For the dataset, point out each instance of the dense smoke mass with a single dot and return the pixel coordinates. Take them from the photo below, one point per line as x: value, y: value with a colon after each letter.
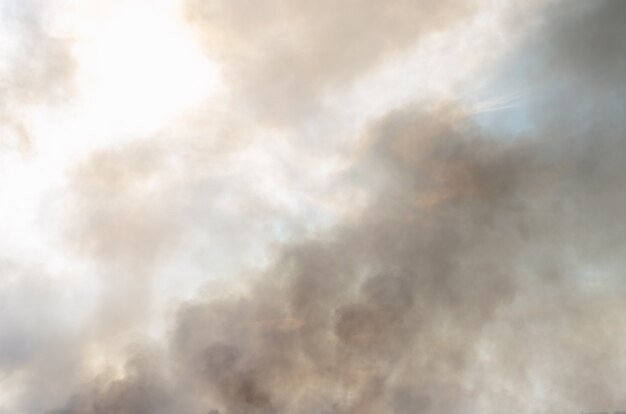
x: 272, y: 251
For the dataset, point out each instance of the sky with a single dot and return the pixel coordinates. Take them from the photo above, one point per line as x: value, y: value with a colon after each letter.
x: 312, y: 207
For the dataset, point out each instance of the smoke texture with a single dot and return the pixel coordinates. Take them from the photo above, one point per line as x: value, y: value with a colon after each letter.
x: 484, y: 273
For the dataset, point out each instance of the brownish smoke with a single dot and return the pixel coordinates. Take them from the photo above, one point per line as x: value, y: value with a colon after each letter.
x: 485, y: 276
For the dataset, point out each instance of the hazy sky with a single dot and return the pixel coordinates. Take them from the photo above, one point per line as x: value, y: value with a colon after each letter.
x: 312, y: 207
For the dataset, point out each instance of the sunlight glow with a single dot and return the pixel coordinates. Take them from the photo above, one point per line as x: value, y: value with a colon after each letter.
x: 139, y: 67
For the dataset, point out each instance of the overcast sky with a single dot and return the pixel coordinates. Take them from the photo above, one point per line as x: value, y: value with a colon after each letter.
x: 312, y: 207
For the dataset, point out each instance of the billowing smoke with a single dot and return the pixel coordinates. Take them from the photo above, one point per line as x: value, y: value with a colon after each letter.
x: 483, y: 273
x: 484, y: 276
x: 283, y: 57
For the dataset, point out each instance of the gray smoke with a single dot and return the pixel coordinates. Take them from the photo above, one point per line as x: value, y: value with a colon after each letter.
x: 282, y: 57
x: 484, y: 276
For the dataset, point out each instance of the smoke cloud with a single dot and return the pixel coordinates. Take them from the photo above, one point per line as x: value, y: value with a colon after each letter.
x: 283, y: 57
x: 474, y: 268
x: 38, y: 72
